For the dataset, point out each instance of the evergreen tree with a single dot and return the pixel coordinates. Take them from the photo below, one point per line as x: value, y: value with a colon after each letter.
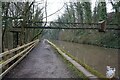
x: 87, y: 12
x: 79, y: 12
x: 102, y: 11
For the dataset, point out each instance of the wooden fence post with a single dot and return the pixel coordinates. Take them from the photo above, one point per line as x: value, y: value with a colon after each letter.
x: 0, y: 26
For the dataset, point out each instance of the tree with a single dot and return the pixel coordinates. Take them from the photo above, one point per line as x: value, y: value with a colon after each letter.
x: 116, y: 7
x: 19, y: 14
x: 102, y: 11
x: 87, y: 12
x: 79, y: 12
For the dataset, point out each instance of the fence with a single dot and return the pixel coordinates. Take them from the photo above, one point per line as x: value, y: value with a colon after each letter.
x: 10, y: 58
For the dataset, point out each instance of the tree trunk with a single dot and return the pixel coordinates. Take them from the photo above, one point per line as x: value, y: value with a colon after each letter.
x: 0, y: 26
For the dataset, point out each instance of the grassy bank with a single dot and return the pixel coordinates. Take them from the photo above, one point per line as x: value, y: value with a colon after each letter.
x: 109, y: 39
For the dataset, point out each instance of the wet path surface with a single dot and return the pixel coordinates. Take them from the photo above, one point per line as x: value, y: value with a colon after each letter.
x: 41, y: 62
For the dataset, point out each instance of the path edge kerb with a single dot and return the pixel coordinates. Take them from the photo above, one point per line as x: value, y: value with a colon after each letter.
x: 76, y: 64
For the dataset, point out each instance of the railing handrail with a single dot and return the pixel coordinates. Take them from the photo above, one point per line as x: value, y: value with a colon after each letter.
x: 16, y: 49
x: 22, y: 54
x: 14, y: 57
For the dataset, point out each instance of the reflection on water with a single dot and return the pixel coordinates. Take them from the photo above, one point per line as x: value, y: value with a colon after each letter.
x: 94, y: 56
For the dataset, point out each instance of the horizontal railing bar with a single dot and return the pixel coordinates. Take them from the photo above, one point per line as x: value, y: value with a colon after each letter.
x: 16, y: 49
x: 14, y: 57
x: 70, y: 28
x: 14, y: 64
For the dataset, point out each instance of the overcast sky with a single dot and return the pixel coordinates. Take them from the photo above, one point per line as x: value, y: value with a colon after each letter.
x: 54, y: 5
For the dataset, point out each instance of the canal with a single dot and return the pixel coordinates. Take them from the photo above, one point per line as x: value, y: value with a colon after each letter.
x: 96, y: 57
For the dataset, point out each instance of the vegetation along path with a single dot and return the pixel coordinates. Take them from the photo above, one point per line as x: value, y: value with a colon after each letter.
x: 41, y: 62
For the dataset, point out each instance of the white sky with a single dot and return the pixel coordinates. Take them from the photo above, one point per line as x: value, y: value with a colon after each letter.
x: 54, y: 5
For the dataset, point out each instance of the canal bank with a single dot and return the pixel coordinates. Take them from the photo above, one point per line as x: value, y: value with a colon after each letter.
x: 109, y: 39
x: 74, y: 63
x: 95, y: 61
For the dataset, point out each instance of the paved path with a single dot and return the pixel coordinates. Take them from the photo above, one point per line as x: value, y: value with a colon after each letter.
x: 41, y: 62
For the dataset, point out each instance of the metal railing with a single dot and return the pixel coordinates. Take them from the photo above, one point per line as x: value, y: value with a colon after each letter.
x: 16, y: 55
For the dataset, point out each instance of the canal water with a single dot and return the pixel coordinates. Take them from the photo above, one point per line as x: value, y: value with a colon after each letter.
x: 96, y: 57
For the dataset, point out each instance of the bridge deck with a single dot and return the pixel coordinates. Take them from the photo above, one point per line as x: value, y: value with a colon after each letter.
x: 41, y: 62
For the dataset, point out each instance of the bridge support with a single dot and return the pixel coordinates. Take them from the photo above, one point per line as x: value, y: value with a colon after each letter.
x: 0, y: 26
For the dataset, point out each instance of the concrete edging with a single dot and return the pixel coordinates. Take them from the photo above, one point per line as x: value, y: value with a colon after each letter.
x: 77, y: 65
